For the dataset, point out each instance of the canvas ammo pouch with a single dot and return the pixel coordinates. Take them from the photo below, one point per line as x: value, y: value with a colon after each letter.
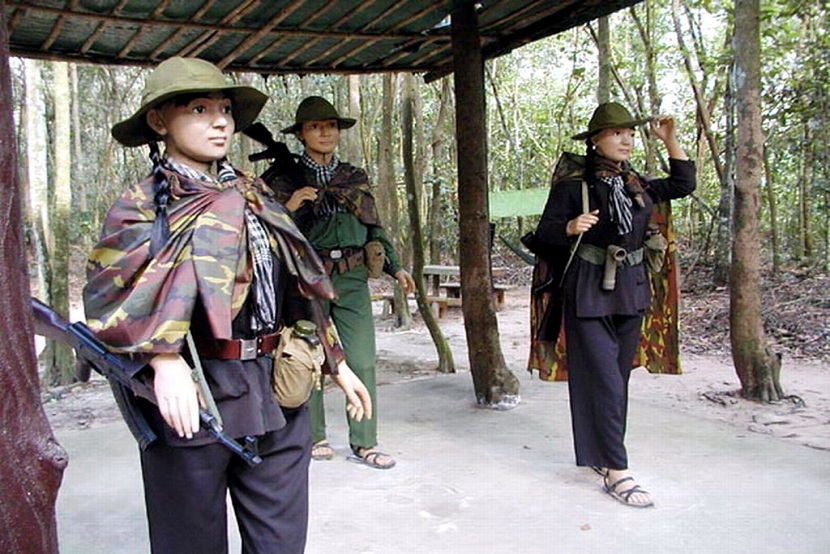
x: 655, y: 248
x: 375, y: 258
x: 297, y: 364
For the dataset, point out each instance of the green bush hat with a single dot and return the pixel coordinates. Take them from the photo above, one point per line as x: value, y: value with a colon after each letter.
x: 608, y: 115
x: 316, y: 108
x: 177, y: 76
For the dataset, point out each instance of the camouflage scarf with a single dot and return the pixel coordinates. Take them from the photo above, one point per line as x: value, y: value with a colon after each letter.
x: 348, y: 187
x: 139, y: 303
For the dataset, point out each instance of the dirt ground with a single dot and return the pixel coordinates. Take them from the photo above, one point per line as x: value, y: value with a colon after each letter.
x: 708, y: 387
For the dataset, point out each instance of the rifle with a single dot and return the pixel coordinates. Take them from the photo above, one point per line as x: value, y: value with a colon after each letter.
x: 121, y: 372
x: 283, y: 162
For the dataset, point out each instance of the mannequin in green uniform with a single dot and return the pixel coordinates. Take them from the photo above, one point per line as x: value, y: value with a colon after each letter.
x: 333, y: 205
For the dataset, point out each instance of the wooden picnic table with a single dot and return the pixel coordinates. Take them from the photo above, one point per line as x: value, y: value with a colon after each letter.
x: 437, y: 277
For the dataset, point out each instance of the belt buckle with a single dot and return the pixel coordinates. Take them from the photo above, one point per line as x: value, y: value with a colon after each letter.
x: 335, y: 254
x: 248, y: 349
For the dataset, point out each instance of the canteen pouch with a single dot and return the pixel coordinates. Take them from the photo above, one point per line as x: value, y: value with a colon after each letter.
x: 655, y: 245
x: 297, y: 368
x: 375, y: 258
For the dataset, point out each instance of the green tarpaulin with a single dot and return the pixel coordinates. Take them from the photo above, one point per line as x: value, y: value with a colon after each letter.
x: 515, y: 203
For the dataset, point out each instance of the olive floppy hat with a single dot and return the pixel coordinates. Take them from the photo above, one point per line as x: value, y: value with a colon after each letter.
x: 177, y: 76
x: 607, y: 116
x: 316, y: 108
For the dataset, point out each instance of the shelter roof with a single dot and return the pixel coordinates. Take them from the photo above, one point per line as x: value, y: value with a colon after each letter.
x: 283, y: 36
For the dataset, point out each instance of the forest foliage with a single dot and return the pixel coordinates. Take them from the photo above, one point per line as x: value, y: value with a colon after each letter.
x: 537, y: 97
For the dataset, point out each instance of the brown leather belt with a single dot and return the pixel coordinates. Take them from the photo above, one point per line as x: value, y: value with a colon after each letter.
x: 341, y: 259
x: 237, y: 349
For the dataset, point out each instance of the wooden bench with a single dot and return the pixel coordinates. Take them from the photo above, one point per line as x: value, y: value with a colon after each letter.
x: 453, y: 290
x: 438, y: 304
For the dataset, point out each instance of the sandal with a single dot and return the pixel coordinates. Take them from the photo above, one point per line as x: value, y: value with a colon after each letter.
x: 322, y: 451
x: 370, y: 457
x: 625, y: 495
x: 601, y: 471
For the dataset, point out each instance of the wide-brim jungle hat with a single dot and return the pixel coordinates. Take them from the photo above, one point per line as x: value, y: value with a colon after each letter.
x: 607, y: 116
x: 177, y: 76
x: 316, y: 108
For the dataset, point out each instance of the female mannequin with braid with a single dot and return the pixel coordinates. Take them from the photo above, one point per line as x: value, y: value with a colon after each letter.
x: 197, y: 262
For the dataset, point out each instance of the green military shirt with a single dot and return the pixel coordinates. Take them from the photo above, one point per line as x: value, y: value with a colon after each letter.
x: 344, y: 230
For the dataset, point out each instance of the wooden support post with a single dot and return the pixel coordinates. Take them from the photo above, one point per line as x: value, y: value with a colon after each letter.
x: 494, y: 384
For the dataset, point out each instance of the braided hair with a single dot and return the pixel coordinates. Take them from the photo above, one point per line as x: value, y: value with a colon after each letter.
x: 161, y: 197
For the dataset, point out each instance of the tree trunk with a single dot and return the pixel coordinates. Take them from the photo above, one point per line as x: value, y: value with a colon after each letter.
x: 726, y: 204
x: 354, y: 149
x: 445, y: 359
x: 34, y: 124
x: 702, y: 109
x: 33, y: 462
x: 439, y: 186
x: 757, y: 366
x: 388, y: 194
x: 773, y: 213
x: 494, y: 384
x: 654, y: 101
x: 80, y: 185
x: 59, y: 358
x: 385, y: 190
x: 805, y: 186
x: 605, y: 75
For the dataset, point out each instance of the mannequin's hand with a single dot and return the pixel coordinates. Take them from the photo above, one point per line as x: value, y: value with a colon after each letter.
x: 582, y: 223
x: 358, y: 401
x: 176, y: 393
x: 305, y: 194
x: 663, y: 127
x: 405, y: 280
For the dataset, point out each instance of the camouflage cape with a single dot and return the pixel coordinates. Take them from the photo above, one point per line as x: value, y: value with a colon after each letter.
x: 349, y: 186
x: 138, y: 303
x: 659, y: 348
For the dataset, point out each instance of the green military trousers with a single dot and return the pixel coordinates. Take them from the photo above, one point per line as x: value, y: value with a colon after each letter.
x: 351, y: 313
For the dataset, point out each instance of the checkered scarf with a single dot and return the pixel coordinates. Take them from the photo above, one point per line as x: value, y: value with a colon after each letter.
x: 323, y: 173
x: 624, y: 188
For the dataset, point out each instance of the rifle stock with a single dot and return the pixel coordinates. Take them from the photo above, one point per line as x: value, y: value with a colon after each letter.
x: 121, y: 372
x: 283, y: 162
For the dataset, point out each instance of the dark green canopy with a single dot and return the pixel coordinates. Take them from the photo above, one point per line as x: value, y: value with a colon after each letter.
x: 284, y: 36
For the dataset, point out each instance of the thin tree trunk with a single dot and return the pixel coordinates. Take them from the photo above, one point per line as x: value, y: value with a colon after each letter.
x: 445, y: 359
x: 773, y: 213
x: 80, y: 185
x: 702, y: 109
x: 604, y: 76
x: 439, y: 186
x: 757, y: 366
x: 494, y: 384
x: 805, y: 182
x: 33, y: 462
x: 37, y: 172
x: 726, y: 204
x: 387, y: 192
x: 354, y: 149
x: 59, y: 358
x: 644, y: 30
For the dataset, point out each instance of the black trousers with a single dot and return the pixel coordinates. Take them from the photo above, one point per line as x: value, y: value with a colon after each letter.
x: 600, y: 352
x: 185, y: 490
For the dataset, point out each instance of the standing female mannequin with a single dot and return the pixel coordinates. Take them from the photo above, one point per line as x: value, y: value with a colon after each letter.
x: 604, y: 301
